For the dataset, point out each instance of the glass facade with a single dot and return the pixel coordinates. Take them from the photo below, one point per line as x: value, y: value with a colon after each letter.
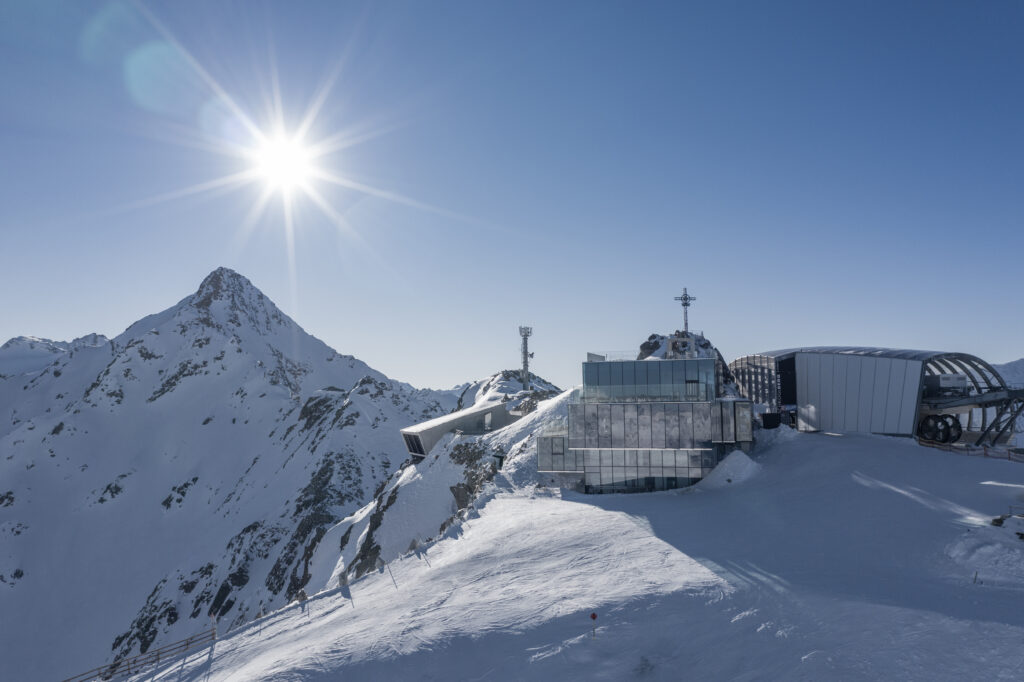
x: 633, y: 470
x: 644, y: 425
x: 758, y: 380
x: 687, y: 380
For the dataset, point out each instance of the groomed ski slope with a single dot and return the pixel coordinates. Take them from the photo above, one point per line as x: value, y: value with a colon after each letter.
x: 839, y: 558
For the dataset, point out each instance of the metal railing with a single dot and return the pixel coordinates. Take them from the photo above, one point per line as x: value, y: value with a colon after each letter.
x: 136, y: 664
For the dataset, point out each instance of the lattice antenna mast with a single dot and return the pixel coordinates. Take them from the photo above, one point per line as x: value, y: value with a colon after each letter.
x: 686, y: 300
x: 526, y: 332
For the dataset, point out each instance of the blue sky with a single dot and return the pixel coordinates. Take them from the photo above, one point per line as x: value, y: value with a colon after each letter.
x: 815, y: 173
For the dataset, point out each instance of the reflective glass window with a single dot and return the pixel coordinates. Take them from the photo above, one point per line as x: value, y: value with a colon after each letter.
x: 679, y: 371
x: 665, y: 370
x: 628, y: 373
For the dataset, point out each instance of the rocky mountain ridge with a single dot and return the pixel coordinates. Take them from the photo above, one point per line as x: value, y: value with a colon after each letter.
x: 188, y: 467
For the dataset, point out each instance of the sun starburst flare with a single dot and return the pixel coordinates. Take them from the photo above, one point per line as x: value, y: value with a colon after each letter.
x: 290, y: 161
x: 283, y: 162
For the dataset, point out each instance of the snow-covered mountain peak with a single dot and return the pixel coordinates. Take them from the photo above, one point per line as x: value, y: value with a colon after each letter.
x: 225, y: 295
x: 679, y: 343
x: 36, y: 343
x: 28, y: 354
x: 226, y: 302
x: 506, y: 387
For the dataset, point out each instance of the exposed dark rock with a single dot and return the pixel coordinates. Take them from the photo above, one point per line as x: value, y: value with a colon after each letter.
x: 366, y: 558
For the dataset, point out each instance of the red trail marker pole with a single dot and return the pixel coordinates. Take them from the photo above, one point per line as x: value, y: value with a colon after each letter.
x: 593, y: 628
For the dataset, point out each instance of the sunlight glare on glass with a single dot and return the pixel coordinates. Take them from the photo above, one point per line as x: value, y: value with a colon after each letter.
x: 283, y: 162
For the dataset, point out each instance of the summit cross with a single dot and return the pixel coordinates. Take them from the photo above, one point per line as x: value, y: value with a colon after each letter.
x: 686, y: 300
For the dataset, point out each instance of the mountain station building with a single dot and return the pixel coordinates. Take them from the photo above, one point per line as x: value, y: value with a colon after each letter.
x: 661, y: 421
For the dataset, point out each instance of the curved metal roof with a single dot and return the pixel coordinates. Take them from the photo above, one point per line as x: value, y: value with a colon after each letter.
x: 901, y: 353
x: 982, y: 375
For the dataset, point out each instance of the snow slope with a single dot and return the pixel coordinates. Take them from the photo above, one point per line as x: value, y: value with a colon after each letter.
x: 1013, y: 375
x: 189, y: 466
x: 1012, y: 372
x: 838, y: 558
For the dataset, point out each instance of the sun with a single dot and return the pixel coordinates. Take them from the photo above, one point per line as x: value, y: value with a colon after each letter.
x: 283, y: 163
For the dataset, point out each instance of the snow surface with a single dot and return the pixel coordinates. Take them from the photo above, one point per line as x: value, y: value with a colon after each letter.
x: 736, y: 468
x: 842, y: 558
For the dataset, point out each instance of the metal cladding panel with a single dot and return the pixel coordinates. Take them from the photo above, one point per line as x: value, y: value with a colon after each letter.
x: 883, y: 367
x: 850, y: 417
x: 558, y: 462
x: 657, y: 426
x: 911, y: 400
x: 685, y: 425
x: 744, y: 421
x: 802, y: 409
x: 826, y: 391
x: 577, y: 427
x: 894, y: 397
x: 811, y: 401
x: 643, y: 425
x: 671, y: 425
x: 631, y: 427
x: 838, y: 417
x: 716, y: 422
x: 867, y: 392
x: 591, y: 426
x: 702, y: 425
x: 814, y: 389
x: 618, y: 420
x: 728, y: 421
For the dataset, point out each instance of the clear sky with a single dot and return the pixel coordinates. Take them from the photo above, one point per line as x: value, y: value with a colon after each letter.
x: 814, y: 172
